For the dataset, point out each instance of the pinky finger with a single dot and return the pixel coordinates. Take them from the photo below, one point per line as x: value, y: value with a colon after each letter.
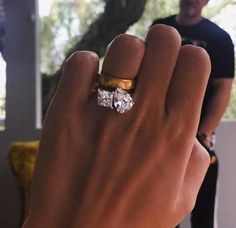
x: 196, y: 170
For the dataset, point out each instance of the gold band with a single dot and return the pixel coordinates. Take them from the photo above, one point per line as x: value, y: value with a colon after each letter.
x: 111, y: 82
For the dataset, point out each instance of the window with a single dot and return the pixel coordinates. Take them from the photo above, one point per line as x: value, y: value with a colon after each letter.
x: 2, y: 93
x: 2, y: 69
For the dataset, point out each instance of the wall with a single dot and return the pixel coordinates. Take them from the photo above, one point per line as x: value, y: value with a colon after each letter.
x: 20, y: 54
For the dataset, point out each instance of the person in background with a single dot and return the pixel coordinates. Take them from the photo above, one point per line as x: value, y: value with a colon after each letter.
x: 197, y: 30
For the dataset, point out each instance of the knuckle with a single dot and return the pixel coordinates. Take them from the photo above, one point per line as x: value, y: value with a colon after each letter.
x: 80, y: 57
x: 176, y: 127
x: 188, y: 205
x: 196, y: 56
x: 127, y: 39
x: 166, y: 32
x: 200, y: 154
x: 185, y: 205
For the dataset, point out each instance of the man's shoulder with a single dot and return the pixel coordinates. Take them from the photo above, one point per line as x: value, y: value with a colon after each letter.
x: 215, y: 30
x: 166, y: 20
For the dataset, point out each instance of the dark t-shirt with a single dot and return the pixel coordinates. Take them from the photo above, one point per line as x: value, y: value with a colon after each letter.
x: 213, y: 39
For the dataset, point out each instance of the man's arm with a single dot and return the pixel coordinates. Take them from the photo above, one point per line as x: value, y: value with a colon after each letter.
x: 215, y: 108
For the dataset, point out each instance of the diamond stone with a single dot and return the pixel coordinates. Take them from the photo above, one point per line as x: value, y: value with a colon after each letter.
x: 105, y: 98
x: 123, y: 102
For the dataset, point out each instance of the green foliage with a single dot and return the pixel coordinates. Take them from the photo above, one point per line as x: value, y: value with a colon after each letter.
x: 215, y: 7
x: 87, y: 11
x: 62, y: 28
x: 154, y: 9
x: 47, y: 45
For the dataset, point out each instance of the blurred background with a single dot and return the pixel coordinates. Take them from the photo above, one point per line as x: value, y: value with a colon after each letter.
x: 37, y: 37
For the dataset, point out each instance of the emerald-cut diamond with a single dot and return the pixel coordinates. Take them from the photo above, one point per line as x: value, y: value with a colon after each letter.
x: 105, y: 98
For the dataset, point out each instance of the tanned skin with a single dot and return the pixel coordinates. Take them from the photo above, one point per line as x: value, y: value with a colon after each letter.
x: 97, y: 168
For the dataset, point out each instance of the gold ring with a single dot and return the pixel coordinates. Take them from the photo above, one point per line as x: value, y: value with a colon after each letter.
x: 111, y: 82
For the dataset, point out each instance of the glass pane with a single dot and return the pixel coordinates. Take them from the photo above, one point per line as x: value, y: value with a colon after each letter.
x: 2, y: 69
x: 2, y: 93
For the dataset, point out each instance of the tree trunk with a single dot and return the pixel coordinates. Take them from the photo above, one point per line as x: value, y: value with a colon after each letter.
x: 117, y: 17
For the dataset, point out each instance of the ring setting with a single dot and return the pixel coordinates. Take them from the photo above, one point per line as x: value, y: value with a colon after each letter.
x: 105, y: 98
x: 119, y: 98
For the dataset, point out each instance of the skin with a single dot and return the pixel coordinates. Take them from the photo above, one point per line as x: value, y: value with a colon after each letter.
x: 218, y: 102
x: 97, y: 168
x: 190, y: 14
x: 190, y: 11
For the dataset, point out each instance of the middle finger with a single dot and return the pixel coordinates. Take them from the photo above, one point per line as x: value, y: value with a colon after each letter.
x: 161, y: 52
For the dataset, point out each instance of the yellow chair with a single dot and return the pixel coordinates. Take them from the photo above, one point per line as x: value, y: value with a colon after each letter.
x: 22, y: 159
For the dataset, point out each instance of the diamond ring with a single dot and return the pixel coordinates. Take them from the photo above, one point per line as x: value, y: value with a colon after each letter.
x: 118, y: 99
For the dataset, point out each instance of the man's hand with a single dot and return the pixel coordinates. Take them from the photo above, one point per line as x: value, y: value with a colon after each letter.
x: 217, y: 103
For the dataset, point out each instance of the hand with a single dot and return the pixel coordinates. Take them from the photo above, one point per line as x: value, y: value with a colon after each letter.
x: 97, y: 168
